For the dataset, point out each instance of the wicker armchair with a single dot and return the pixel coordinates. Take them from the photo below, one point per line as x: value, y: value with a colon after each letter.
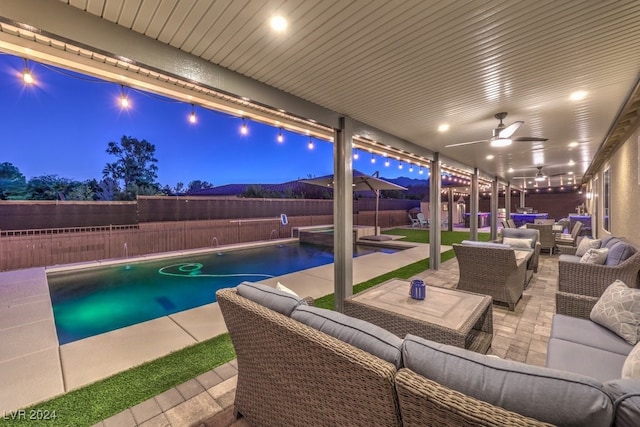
x: 491, y: 271
x: 563, y: 241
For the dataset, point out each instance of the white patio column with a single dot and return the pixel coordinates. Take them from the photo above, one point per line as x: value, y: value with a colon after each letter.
x: 435, y: 186
x: 343, y: 213
x: 473, y: 206
x: 507, y: 200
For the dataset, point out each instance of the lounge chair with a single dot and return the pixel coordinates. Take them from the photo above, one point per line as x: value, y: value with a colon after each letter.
x: 414, y: 221
x: 423, y: 222
x: 547, y: 237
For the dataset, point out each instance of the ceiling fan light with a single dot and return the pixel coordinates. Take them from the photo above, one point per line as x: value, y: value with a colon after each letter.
x: 540, y: 178
x: 501, y: 142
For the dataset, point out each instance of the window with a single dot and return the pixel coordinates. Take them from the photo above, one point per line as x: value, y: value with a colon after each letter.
x: 606, y: 199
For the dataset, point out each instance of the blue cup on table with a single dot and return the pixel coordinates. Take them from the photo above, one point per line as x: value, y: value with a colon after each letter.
x: 418, y: 290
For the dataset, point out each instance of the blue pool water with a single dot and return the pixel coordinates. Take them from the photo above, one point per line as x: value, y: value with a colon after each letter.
x: 88, y: 302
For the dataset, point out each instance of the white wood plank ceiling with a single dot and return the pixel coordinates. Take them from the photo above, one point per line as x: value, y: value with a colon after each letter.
x: 408, y: 66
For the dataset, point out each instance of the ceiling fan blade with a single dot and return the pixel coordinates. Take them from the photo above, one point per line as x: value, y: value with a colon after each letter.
x: 530, y: 138
x: 466, y: 143
x: 558, y: 174
x: 509, y: 130
x: 523, y: 177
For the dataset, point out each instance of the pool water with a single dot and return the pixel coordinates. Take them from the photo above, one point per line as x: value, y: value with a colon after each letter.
x: 88, y: 302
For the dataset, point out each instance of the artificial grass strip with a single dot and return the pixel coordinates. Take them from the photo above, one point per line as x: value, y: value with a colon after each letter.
x: 446, y: 237
x: 98, y: 401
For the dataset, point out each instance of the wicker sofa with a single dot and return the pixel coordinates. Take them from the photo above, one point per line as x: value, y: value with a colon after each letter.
x: 590, y: 280
x: 300, y: 365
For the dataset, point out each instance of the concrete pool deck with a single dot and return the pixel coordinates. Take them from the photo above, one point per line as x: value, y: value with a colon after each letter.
x: 33, y: 367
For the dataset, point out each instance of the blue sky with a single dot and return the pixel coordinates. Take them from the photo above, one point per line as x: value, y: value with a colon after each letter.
x: 63, y: 123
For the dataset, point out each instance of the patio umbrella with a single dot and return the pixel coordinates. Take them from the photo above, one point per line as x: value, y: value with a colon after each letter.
x: 361, y: 182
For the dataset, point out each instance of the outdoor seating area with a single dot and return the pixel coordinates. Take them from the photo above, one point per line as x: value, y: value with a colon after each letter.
x: 282, y: 343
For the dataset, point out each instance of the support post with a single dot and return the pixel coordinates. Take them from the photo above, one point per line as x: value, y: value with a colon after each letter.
x: 493, y: 209
x: 473, y: 206
x: 343, y: 213
x: 435, y: 186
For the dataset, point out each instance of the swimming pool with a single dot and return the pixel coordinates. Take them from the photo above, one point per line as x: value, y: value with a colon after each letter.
x: 92, y: 301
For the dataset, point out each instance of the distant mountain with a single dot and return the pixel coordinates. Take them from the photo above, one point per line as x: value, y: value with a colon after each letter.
x: 407, y: 182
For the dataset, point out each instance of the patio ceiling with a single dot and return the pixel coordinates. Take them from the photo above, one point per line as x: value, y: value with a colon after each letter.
x: 407, y: 67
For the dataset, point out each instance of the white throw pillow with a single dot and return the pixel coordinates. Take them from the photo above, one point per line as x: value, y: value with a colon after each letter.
x: 618, y: 310
x: 586, y: 244
x: 283, y: 288
x: 517, y: 243
x: 595, y: 256
x: 631, y: 367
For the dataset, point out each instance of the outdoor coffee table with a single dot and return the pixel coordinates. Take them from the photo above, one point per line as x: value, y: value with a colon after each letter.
x: 448, y: 316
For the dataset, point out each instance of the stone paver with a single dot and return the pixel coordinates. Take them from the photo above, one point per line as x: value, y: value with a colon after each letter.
x: 146, y: 410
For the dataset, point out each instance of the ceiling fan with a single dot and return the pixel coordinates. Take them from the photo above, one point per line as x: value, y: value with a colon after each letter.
x: 502, y: 134
x: 539, y: 176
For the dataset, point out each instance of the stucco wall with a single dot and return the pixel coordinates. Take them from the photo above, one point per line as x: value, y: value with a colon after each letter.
x: 625, y: 191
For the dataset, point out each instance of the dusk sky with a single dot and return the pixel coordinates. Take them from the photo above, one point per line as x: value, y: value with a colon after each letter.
x: 62, y: 125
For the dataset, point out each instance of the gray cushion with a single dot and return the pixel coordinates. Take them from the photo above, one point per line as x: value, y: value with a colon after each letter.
x: 618, y: 309
x: 282, y: 302
x: 619, y: 253
x: 522, y: 233
x: 359, y: 333
x: 517, y: 243
x: 609, y: 241
x: 584, y: 331
x: 569, y: 258
x: 568, y: 356
x: 625, y: 394
x: 631, y: 367
x: 485, y: 244
x: 548, y: 395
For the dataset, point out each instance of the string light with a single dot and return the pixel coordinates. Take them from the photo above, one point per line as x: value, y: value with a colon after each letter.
x: 420, y: 171
x: 280, y: 136
x: 192, y: 117
x: 244, y: 130
x: 400, y: 165
x: 27, y: 77
x: 310, y: 143
x: 373, y: 159
x: 386, y: 163
x: 356, y: 155
x: 124, y: 100
x: 410, y: 168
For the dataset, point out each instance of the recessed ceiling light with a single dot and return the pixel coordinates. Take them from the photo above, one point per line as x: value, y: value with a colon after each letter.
x: 510, y: 170
x: 570, y: 173
x: 278, y: 23
x: 578, y: 95
x: 443, y: 127
x: 573, y: 144
x: 490, y: 157
x: 571, y: 163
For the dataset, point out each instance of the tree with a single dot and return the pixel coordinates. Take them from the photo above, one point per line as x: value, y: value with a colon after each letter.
x: 49, y: 187
x: 13, y: 184
x: 135, y: 165
x: 198, y: 185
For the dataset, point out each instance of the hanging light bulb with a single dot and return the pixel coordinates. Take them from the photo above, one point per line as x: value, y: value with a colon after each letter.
x: 420, y: 171
x: 27, y: 77
x: 373, y: 159
x: 386, y: 163
x: 124, y: 100
x: 280, y: 136
x: 400, y: 165
x: 356, y: 155
x: 310, y: 144
x: 244, y: 130
x: 192, y: 117
x: 410, y: 168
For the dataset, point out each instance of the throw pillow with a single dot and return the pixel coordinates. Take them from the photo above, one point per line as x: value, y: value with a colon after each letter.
x: 631, y: 367
x: 618, y: 310
x: 595, y: 256
x: 517, y: 243
x: 586, y: 244
x: 283, y: 288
